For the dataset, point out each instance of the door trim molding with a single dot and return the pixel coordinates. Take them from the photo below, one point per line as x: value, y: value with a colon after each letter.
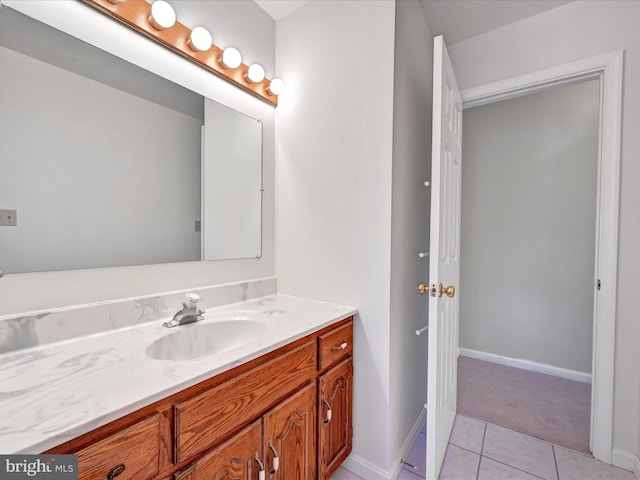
x: 626, y: 460
x: 608, y: 67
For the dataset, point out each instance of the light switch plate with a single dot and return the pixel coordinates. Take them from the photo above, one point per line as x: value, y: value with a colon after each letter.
x: 8, y: 218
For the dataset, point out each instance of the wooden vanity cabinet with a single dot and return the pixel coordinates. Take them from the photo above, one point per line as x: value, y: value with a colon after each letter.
x: 270, y: 412
x: 335, y: 407
x: 335, y: 390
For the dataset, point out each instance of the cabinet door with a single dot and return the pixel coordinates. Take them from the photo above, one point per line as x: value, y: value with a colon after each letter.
x: 233, y: 459
x: 290, y: 441
x: 334, y: 417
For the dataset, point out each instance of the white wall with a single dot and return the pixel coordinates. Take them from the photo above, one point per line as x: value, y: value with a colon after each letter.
x: 333, y: 183
x: 528, y: 226
x: 412, y: 103
x: 39, y: 291
x: 232, y: 23
x: 577, y: 30
x: 92, y: 172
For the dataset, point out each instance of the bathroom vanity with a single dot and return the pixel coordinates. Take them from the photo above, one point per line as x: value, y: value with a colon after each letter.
x: 265, y: 414
x: 280, y: 406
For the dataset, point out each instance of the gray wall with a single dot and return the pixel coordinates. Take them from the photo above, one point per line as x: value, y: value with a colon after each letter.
x: 410, y: 203
x: 28, y: 292
x: 99, y: 177
x: 23, y: 34
x: 528, y: 226
x: 578, y: 30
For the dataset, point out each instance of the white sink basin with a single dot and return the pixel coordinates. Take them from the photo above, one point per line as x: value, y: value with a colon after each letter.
x: 199, y: 339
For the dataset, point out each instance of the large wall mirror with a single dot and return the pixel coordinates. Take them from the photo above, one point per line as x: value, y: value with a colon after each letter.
x: 108, y: 164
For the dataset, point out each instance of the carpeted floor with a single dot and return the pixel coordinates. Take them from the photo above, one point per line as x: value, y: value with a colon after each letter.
x: 543, y: 406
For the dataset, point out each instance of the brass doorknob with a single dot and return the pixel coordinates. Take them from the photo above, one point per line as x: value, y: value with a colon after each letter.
x: 422, y: 288
x: 449, y: 291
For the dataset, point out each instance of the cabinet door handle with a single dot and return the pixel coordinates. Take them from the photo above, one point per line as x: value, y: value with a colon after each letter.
x: 276, y: 460
x: 342, y: 346
x: 328, y: 419
x: 115, y: 471
x: 260, y: 466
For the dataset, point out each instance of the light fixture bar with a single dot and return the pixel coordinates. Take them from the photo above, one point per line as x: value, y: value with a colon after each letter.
x: 135, y: 14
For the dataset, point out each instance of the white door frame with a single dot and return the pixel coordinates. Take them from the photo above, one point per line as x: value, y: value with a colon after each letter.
x: 607, y: 67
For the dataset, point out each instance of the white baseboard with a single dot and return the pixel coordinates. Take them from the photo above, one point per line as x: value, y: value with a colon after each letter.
x: 527, y: 365
x: 404, y: 452
x: 626, y: 460
x: 365, y: 469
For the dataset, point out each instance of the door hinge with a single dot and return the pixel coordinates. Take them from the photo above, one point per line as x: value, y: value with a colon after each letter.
x: 598, y: 284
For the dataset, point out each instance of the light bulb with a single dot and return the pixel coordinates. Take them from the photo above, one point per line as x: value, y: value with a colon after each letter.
x: 276, y: 87
x: 162, y: 15
x: 255, y: 73
x: 231, y: 57
x: 199, y: 40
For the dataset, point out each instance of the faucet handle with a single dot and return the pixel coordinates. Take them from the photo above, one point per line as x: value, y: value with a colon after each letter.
x: 191, y: 300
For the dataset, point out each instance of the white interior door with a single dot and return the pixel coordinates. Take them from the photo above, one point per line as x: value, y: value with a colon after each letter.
x: 444, y: 267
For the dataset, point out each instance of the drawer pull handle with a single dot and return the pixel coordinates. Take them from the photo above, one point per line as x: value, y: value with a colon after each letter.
x: 115, y: 471
x: 328, y: 419
x: 260, y: 466
x: 276, y: 460
x: 342, y: 346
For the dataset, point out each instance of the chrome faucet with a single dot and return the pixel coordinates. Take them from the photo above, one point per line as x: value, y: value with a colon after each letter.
x: 190, y: 312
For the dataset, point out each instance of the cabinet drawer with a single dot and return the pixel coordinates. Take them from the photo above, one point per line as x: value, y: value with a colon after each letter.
x: 136, y: 448
x: 206, y: 418
x: 335, y: 345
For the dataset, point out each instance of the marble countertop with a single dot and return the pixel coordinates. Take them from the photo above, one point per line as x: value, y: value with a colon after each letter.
x: 53, y: 393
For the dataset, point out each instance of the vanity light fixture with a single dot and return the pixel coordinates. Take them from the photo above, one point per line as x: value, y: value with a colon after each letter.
x: 231, y: 58
x: 157, y: 21
x: 276, y: 87
x: 200, y: 40
x: 255, y: 73
x: 162, y: 15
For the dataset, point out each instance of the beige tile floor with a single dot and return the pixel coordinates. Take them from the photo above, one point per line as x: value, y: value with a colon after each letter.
x: 482, y: 451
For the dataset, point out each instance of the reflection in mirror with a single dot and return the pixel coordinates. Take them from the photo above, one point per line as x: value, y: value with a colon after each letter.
x: 231, y: 183
x: 102, y: 160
